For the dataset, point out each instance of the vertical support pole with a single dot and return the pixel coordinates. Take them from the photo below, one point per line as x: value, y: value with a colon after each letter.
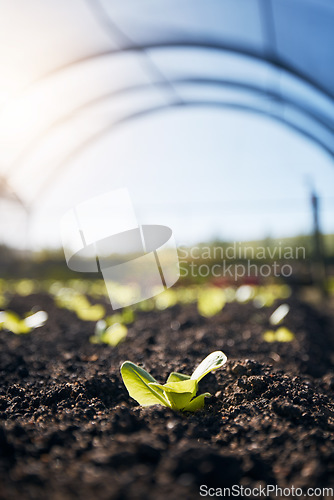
x: 319, y: 263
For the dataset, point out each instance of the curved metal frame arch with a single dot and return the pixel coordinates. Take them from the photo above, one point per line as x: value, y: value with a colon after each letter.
x: 213, y: 46
x: 216, y: 104
x: 197, y: 81
x: 273, y: 61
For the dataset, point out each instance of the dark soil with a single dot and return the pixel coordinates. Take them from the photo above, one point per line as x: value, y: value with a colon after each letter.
x: 68, y: 429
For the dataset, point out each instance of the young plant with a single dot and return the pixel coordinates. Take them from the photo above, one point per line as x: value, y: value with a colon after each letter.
x: 179, y: 391
x: 282, y: 334
x: 210, y: 301
x: 10, y: 321
x: 74, y: 301
x: 111, y: 335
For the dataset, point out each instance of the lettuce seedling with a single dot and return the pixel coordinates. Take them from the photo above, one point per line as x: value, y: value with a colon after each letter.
x: 282, y: 334
x: 210, y: 302
x: 112, y: 335
x: 179, y: 391
x: 10, y: 321
x: 74, y: 301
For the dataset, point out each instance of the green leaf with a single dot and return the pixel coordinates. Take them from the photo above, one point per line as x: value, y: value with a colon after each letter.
x: 269, y: 336
x: 115, y: 318
x: 177, y: 377
x: 179, y: 394
x: 188, y: 385
x: 12, y: 322
x: 197, y: 403
x: 284, y: 335
x: 212, y: 362
x: 36, y: 320
x: 114, y: 334
x: 91, y: 313
x: 176, y: 400
x: 128, y: 316
x: 210, y: 302
x: 180, y: 390
x: 138, y: 383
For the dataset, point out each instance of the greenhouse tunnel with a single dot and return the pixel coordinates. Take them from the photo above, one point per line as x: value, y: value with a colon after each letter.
x: 166, y: 249
x: 105, y: 64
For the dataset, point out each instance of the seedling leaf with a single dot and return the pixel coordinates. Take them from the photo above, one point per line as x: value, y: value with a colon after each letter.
x: 189, y: 385
x: 12, y: 322
x: 179, y: 393
x: 210, y: 302
x: 138, y: 383
x: 269, y: 336
x: 115, y: 334
x: 177, y: 377
x: 91, y: 313
x: 282, y: 334
x: 180, y: 390
x: 36, y: 320
x: 212, y: 362
x: 197, y: 403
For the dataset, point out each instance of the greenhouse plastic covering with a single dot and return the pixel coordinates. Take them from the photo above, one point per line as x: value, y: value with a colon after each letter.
x: 72, y: 71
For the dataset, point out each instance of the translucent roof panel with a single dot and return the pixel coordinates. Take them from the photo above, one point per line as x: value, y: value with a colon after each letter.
x: 304, y: 33
x: 73, y: 73
x: 230, y: 21
x: 36, y: 37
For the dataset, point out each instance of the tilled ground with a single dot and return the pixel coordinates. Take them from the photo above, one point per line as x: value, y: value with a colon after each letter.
x: 68, y: 429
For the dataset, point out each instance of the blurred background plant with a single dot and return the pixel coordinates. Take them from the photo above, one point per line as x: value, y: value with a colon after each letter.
x: 219, y: 121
